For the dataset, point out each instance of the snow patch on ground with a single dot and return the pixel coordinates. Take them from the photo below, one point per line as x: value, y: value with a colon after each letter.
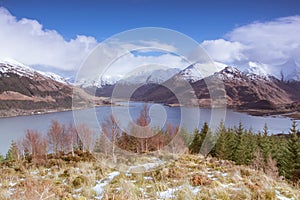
x: 280, y: 197
x: 146, y: 166
x: 102, y: 183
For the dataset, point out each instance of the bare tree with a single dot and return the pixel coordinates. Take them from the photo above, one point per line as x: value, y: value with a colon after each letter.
x: 112, y: 131
x: 176, y: 142
x: 102, y: 145
x: 54, y: 136
x: 72, y: 137
x: 34, y: 144
x: 144, y: 132
x: 86, y: 136
x: 64, y: 141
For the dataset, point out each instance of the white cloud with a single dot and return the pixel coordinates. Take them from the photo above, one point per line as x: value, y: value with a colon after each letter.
x: 270, y: 42
x: 130, y: 63
x: 27, y: 41
x: 273, y: 43
x: 224, y: 51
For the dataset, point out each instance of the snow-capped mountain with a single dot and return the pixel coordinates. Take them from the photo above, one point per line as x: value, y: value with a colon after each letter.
x: 15, y: 67
x: 199, y: 71
x: 98, y: 82
x: 232, y: 73
x: 152, y: 76
x: 24, y: 90
x: 241, y: 90
x: 144, y: 76
x: 258, y: 69
x: 289, y: 70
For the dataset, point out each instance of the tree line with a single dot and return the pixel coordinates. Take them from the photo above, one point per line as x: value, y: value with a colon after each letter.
x: 275, y: 155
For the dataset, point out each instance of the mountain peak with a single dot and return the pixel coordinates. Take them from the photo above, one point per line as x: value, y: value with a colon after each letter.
x: 198, y: 71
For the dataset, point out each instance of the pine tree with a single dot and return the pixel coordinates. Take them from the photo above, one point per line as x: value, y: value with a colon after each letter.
x: 206, y: 140
x: 265, y: 146
x: 1, y: 158
x: 240, y: 152
x: 195, y: 145
x: 13, y: 152
x: 231, y: 144
x: 220, y: 147
x: 239, y: 149
x: 292, y: 161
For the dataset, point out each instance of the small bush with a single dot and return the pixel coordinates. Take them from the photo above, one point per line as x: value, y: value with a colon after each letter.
x: 79, y: 181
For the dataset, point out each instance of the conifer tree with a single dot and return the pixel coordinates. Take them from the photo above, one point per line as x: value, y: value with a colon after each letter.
x: 220, y: 147
x: 13, y: 152
x: 265, y: 146
x: 206, y: 140
x: 240, y: 152
x: 231, y: 143
x: 239, y: 148
x: 292, y: 161
x: 195, y: 145
x: 1, y: 158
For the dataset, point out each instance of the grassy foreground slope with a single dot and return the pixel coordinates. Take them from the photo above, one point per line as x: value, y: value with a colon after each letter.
x: 185, y: 176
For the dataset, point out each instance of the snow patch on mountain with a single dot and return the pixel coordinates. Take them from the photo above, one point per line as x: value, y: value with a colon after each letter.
x: 198, y: 71
x: 15, y: 67
x: 98, y: 82
x: 233, y: 73
x: 152, y: 76
x: 258, y: 69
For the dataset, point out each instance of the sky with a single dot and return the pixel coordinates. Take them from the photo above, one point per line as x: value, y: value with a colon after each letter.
x: 50, y: 33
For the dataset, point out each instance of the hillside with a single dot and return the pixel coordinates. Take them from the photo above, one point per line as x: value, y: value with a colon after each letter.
x: 26, y: 91
x: 184, y: 177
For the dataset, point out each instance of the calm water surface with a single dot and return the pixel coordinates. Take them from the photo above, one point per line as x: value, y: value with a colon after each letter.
x: 13, y: 128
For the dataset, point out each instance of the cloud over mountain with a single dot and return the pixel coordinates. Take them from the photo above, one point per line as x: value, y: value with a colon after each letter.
x: 271, y: 42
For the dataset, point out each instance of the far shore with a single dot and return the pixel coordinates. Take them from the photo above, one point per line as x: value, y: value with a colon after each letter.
x: 254, y: 112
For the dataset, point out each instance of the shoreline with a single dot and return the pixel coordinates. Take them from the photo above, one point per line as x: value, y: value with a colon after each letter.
x: 20, y: 112
x: 293, y: 114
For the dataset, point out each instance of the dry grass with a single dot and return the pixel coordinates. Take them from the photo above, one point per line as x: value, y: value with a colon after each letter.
x: 187, y: 177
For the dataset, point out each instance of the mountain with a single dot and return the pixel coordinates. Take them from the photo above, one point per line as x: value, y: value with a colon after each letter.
x: 139, y: 76
x: 156, y: 76
x: 127, y: 83
x: 24, y: 91
x: 23, y: 88
x: 197, y: 71
x: 249, y: 90
x: 241, y: 90
x: 286, y: 71
x: 290, y: 70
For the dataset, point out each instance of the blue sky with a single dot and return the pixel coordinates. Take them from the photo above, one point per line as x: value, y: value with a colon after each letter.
x: 201, y: 20
x: 60, y: 34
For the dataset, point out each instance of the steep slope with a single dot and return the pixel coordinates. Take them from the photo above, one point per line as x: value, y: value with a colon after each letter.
x: 248, y: 90
x: 21, y: 87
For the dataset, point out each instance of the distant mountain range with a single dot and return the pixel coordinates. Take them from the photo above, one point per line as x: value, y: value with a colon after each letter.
x: 22, y: 87
x: 252, y: 89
